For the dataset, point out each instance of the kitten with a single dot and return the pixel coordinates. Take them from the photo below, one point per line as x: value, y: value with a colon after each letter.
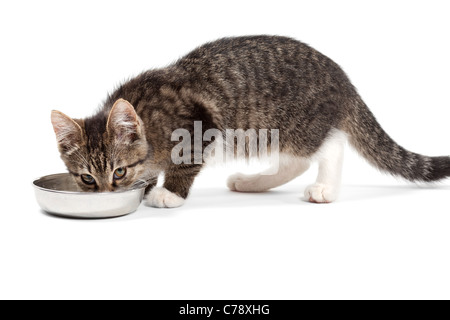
x: 257, y: 82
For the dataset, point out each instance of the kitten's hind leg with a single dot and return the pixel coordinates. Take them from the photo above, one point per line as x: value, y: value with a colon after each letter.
x: 330, y: 157
x: 289, y: 168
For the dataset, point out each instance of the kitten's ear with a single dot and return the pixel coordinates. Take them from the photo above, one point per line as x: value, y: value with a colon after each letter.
x: 123, y: 122
x: 68, y: 132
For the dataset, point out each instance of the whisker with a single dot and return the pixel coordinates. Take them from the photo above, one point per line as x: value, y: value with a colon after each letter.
x: 140, y: 183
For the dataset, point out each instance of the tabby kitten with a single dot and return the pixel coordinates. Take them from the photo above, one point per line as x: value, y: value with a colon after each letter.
x: 257, y: 82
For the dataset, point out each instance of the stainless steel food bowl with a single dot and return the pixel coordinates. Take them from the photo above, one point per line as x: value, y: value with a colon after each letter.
x: 58, y: 194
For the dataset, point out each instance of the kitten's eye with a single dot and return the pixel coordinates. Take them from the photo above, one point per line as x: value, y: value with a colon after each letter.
x: 120, y: 173
x: 87, y: 178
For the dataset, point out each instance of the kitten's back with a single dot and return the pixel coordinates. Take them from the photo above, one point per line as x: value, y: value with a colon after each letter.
x: 271, y: 82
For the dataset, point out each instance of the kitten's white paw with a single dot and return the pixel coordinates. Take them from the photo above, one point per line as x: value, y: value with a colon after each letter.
x: 160, y: 197
x: 245, y: 183
x: 321, y: 193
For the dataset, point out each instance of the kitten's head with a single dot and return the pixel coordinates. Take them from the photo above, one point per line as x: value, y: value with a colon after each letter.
x: 105, y: 152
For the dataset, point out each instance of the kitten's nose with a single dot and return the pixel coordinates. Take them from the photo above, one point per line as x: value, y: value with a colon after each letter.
x: 106, y: 188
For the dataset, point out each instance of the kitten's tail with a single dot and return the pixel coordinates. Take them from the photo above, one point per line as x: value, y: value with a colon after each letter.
x: 374, y: 144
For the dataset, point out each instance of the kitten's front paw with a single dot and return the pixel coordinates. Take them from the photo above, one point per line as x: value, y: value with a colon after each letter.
x: 321, y: 193
x: 162, y: 198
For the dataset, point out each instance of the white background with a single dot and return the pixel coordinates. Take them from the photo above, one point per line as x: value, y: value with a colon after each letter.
x: 384, y: 238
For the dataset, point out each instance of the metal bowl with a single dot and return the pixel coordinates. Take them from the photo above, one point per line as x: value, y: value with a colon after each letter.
x: 59, y: 194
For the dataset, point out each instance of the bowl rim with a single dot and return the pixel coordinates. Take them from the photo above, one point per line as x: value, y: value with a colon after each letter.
x: 106, y: 193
